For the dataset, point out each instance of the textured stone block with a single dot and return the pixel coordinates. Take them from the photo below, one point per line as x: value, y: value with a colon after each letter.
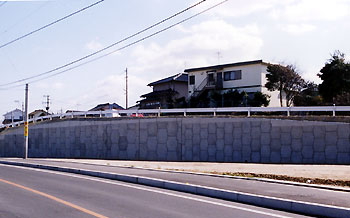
x: 255, y: 145
x: 204, y: 134
x: 212, y: 128
x: 211, y: 139
x: 172, y: 143
x: 344, y: 131
x: 286, y: 151
x: 203, y: 155
x: 228, y: 128
x: 265, y: 139
x: 286, y: 138
x: 123, y: 143
x: 246, y: 140
x: 220, y: 133
x: 265, y: 152
x: 319, y: 132
x: 286, y: 129
x: 297, y: 157
x: 220, y: 144
x: 246, y: 127
x: 319, y: 158
x: 196, y: 139
x: 228, y: 150
x: 308, y: 139
x: 275, y: 133
x: 152, y: 129
x: 152, y: 143
x: 275, y: 145
x: 297, y: 144
x: 162, y: 151
x: 319, y: 145
x: 343, y: 145
x: 237, y: 157
x: 275, y: 157
x: 204, y: 145
x: 163, y: 136
x: 196, y: 129
x: 307, y: 128
x: 331, y: 138
x: 307, y: 152
x: 265, y: 126
x: 343, y: 158
x: 211, y: 150
x: 228, y: 139
x: 331, y: 127
x: 256, y: 132
x: 172, y: 128
x: 331, y: 152
x: 219, y: 156
x: 256, y: 157
x: 237, y: 133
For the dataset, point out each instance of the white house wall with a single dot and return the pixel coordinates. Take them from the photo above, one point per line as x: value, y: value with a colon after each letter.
x: 252, y: 75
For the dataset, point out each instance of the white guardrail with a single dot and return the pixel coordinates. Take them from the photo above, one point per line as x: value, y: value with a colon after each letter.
x: 182, y: 111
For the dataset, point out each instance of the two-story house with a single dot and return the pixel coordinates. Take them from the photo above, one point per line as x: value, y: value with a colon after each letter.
x: 13, y: 116
x: 167, y: 93
x: 247, y: 76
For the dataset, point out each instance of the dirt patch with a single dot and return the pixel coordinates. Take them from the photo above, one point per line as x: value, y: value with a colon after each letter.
x: 343, y: 183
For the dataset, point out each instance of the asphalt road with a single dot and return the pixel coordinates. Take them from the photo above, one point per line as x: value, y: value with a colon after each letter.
x: 297, y: 193
x: 26, y: 192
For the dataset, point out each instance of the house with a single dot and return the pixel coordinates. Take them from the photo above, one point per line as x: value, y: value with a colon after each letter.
x: 38, y: 113
x: 167, y: 93
x: 106, y: 107
x: 247, y: 76
x: 13, y: 116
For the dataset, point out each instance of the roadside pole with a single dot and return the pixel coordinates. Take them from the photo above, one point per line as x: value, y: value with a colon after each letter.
x: 26, y: 124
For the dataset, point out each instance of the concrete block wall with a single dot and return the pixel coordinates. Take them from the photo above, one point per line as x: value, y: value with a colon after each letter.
x: 186, y: 139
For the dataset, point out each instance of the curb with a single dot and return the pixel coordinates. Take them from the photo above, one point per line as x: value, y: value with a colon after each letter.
x: 283, y: 182
x: 306, y: 208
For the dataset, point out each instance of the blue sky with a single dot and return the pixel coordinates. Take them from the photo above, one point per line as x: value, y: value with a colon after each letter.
x: 300, y: 32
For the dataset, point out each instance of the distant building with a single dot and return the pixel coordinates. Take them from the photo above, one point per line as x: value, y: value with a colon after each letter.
x: 247, y: 76
x: 13, y: 116
x: 38, y: 113
x: 107, y: 106
x: 167, y: 93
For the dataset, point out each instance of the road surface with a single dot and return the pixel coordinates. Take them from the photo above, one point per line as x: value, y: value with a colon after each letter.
x: 27, y: 192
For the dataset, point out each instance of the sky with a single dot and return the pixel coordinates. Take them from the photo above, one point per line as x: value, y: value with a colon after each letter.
x: 299, y: 32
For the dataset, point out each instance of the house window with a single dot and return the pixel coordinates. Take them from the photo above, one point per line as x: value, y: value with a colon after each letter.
x: 192, y: 80
x: 233, y: 75
x: 211, y: 77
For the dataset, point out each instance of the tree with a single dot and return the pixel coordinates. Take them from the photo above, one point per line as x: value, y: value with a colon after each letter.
x: 309, y: 96
x: 336, y: 79
x: 233, y: 98
x: 286, y: 80
x: 259, y: 100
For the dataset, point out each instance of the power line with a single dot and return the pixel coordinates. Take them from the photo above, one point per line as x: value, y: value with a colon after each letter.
x: 103, y: 49
x: 50, y: 24
x: 2, y: 3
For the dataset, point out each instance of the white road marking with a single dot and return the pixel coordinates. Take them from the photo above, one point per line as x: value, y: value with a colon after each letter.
x: 151, y: 190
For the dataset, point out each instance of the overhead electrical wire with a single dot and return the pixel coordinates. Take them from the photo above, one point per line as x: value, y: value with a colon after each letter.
x: 50, y: 24
x: 105, y: 48
x: 109, y: 53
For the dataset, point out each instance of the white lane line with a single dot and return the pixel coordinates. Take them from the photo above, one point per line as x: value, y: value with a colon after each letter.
x: 152, y: 190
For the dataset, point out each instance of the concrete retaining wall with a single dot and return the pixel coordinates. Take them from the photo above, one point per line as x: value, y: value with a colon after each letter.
x: 186, y: 139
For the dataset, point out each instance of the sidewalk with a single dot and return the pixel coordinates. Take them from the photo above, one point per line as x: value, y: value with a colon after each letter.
x: 335, y: 172
x: 284, y: 196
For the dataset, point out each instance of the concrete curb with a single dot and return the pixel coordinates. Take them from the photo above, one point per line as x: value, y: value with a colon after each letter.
x: 311, y: 209
x: 331, y: 188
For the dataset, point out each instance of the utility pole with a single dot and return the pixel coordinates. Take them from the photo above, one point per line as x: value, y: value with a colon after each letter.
x: 126, y: 88
x: 47, y: 102
x: 26, y: 123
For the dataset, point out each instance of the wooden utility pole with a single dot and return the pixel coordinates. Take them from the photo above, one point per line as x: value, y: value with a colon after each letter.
x: 26, y: 140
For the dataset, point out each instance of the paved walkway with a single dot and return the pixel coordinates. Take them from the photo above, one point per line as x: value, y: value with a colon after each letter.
x: 270, y: 189
x: 335, y: 172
